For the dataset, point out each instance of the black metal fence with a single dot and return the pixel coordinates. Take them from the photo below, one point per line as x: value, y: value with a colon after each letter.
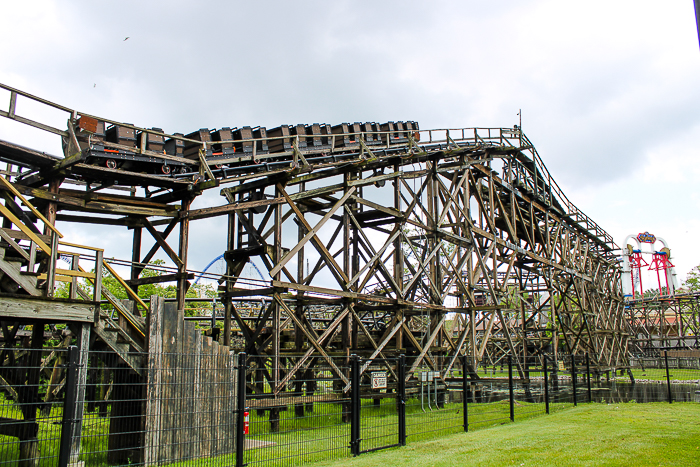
x: 58, y: 407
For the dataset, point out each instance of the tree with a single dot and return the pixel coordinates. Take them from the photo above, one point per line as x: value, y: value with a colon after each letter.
x: 111, y: 284
x: 692, y: 280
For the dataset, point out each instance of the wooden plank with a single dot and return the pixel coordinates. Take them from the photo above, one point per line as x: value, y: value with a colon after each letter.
x: 128, y: 178
x: 71, y: 273
x: 231, y: 402
x: 169, y: 394
x: 14, y: 245
x: 20, y: 225
x: 83, y: 341
x: 221, y: 391
x: 93, y: 203
x: 154, y: 400
x: 76, y: 245
x: 216, y: 377
x: 124, y: 222
x: 204, y: 213
x: 46, y: 310
x: 19, y: 235
x: 159, y: 279
x: 333, y: 292
x: 31, y: 207
x: 26, y: 157
x: 188, y: 417
x: 109, y: 198
x: 12, y: 270
x: 205, y: 396
x: 198, y: 395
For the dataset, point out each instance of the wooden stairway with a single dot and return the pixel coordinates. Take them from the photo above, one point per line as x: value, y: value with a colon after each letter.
x: 28, y: 267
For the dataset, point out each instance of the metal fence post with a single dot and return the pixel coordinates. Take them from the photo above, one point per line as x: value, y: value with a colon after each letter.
x: 355, y: 406
x: 573, y: 379
x: 401, y: 387
x: 465, y: 383
x: 668, y: 378
x: 69, y: 406
x: 240, y: 409
x: 588, y: 377
x: 546, y: 385
x: 510, y: 388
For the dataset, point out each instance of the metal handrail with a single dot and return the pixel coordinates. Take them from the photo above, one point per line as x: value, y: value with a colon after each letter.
x: 474, y: 135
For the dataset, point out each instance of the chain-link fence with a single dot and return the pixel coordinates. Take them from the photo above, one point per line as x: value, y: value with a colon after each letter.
x: 61, y: 407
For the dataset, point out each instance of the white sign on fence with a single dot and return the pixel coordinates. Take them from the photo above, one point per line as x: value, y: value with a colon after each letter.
x: 378, y: 379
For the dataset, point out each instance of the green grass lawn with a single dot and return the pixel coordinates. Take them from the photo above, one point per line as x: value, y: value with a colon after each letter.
x: 590, y: 434
x: 322, y: 435
x: 659, y: 374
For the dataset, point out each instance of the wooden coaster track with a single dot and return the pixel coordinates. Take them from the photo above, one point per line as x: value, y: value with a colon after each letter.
x: 378, y: 239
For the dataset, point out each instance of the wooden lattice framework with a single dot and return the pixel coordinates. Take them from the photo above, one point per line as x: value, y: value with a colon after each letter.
x: 434, y: 243
x: 664, y: 322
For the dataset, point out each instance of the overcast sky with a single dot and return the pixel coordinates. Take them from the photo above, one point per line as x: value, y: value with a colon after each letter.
x: 609, y: 90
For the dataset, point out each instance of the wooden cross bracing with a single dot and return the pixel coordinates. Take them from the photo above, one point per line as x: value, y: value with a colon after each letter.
x: 445, y: 228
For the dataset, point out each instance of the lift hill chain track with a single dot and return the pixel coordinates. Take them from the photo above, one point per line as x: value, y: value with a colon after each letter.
x: 432, y: 243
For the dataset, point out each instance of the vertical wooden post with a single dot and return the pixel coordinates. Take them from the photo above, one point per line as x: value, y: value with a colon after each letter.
x: 354, y: 265
x: 228, y: 304
x: 73, y: 287
x: 154, y: 386
x: 29, y: 398
x: 401, y: 396
x: 298, y: 333
x: 398, y: 255
x: 523, y: 320
x: 51, y: 267
x: 546, y: 383
x: 69, y: 406
x: 668, y: 378
x: 511, y: 393
x: 97, y: 285
x: 135, y: 259
x: 465, y: 401
x: 240, y: 408
x: 355, y: 405
x: 50, y: 214
x: 301, y: 231
x: 348, y: 262
x: 274, y: 412
x: 83, y: 343
x: 52, y: 206
x: 182, y: 283
x: 472, y: 332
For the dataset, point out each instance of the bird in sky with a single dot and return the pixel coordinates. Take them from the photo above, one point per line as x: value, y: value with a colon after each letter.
x: 127, y: 38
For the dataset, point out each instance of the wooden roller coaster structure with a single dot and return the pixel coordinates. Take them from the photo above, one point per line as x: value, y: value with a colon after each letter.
x: 376, y: 240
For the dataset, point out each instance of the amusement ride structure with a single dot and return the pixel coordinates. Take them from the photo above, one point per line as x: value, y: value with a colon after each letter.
x: 660, y: 319
x: 434, y: 244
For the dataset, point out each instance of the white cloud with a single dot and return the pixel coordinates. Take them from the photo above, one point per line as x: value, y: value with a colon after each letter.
x: 608, y: 89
